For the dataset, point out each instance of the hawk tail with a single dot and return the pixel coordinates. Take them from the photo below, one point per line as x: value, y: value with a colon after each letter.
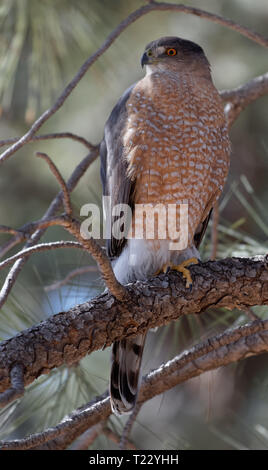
x: 124, y: 383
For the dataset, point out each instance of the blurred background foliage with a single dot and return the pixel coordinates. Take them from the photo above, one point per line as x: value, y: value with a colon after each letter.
x: 42, y: 45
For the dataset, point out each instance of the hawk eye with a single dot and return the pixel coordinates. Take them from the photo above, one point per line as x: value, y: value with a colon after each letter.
x: 171, y: 52
x: 149, y: 53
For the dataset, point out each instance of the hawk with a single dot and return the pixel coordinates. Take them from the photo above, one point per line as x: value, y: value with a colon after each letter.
x: 166, y: 142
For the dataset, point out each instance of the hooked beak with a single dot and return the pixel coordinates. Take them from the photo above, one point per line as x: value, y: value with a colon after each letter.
x: 144, y: 59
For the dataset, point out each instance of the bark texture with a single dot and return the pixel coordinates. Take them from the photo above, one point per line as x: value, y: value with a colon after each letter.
x: 68, y: 336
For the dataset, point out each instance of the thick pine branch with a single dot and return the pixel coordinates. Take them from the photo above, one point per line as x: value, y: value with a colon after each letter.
x: 68, y: 336
x: 221, y: 350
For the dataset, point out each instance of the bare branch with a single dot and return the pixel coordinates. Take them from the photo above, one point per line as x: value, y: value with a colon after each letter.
x: 66, y: 196
x: 116, y: 439
x: 87, y: 438
x: 6, y: 229
x: 230, y: 283
x: 251, y: 315
x: 128, y: 426
x: 239, y: 98
x: 221, y: 350
x: 55, y: 135
x: 64, y: 433
x: 71, y: 275
x: 134, y: 16
x: 39, y: 248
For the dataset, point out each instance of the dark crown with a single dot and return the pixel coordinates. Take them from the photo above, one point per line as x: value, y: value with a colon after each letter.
x: 172, y: 41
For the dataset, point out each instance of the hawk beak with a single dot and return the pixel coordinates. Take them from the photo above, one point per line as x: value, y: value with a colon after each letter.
x: 144, y: 59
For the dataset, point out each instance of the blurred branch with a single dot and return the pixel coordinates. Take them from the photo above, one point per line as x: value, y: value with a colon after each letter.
x: 128, y: 427
x: 116, y: 439
x: 220, y: 350
x: 66, y: 200
x: 24, y: 232
x: 239, y: 98
x: 71, y: 275
x: 230, y: 283
x: 56, y: 135
x: 251, y: 315
x: 134, y: 16
x: 39, y: 248
x: 87, y: 438
x: 10, y: 230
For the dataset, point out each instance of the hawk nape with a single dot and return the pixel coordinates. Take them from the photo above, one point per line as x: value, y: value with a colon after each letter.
x: 166, y: 142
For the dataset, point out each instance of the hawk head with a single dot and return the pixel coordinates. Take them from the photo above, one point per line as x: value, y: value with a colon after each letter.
x: 171, y: 51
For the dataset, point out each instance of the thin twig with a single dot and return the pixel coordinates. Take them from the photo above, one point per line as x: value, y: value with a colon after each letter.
x: 128, y: 426
x: 66, y: 196
x: 55, y: 135
x: 251, y: 315
x: 84, y: 441
x: 71, y: 275
x: 24, y: 232
x: 238, y: 98
x: 39, y: 248
x: 134, y: 16
x: 6, y: 229
x: 112, y: 436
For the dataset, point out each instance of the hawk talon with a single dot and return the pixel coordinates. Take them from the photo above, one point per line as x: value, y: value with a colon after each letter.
x: 182, y: 268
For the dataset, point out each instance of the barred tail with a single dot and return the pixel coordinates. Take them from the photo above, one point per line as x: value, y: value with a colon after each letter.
x: 126, y: 362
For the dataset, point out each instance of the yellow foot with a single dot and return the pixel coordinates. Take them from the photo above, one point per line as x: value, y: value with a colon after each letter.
x: 182, y: 268
x: 163, y: 269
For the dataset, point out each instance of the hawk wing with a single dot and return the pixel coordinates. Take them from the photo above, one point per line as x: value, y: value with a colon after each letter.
x: 201, y: 230
x: 115, y: 182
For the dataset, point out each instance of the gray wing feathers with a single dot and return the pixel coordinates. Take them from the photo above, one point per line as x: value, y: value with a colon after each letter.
x: 115, y: 181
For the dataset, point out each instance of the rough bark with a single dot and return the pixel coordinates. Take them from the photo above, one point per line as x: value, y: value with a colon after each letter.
x: 68, y: 336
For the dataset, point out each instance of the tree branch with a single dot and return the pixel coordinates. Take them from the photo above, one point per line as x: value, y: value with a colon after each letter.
x: 221, y: 350
x: 75, y: 272
x: 55, y: 135
x: 68, y: 336
x: 239, y: 98
x: 64, y: 188
x: 39, y: 248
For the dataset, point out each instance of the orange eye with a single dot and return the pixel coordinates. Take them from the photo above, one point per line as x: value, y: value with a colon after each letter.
x: 171, y: 52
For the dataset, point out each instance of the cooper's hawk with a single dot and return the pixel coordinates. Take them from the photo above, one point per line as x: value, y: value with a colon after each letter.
x: 166, y: 142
